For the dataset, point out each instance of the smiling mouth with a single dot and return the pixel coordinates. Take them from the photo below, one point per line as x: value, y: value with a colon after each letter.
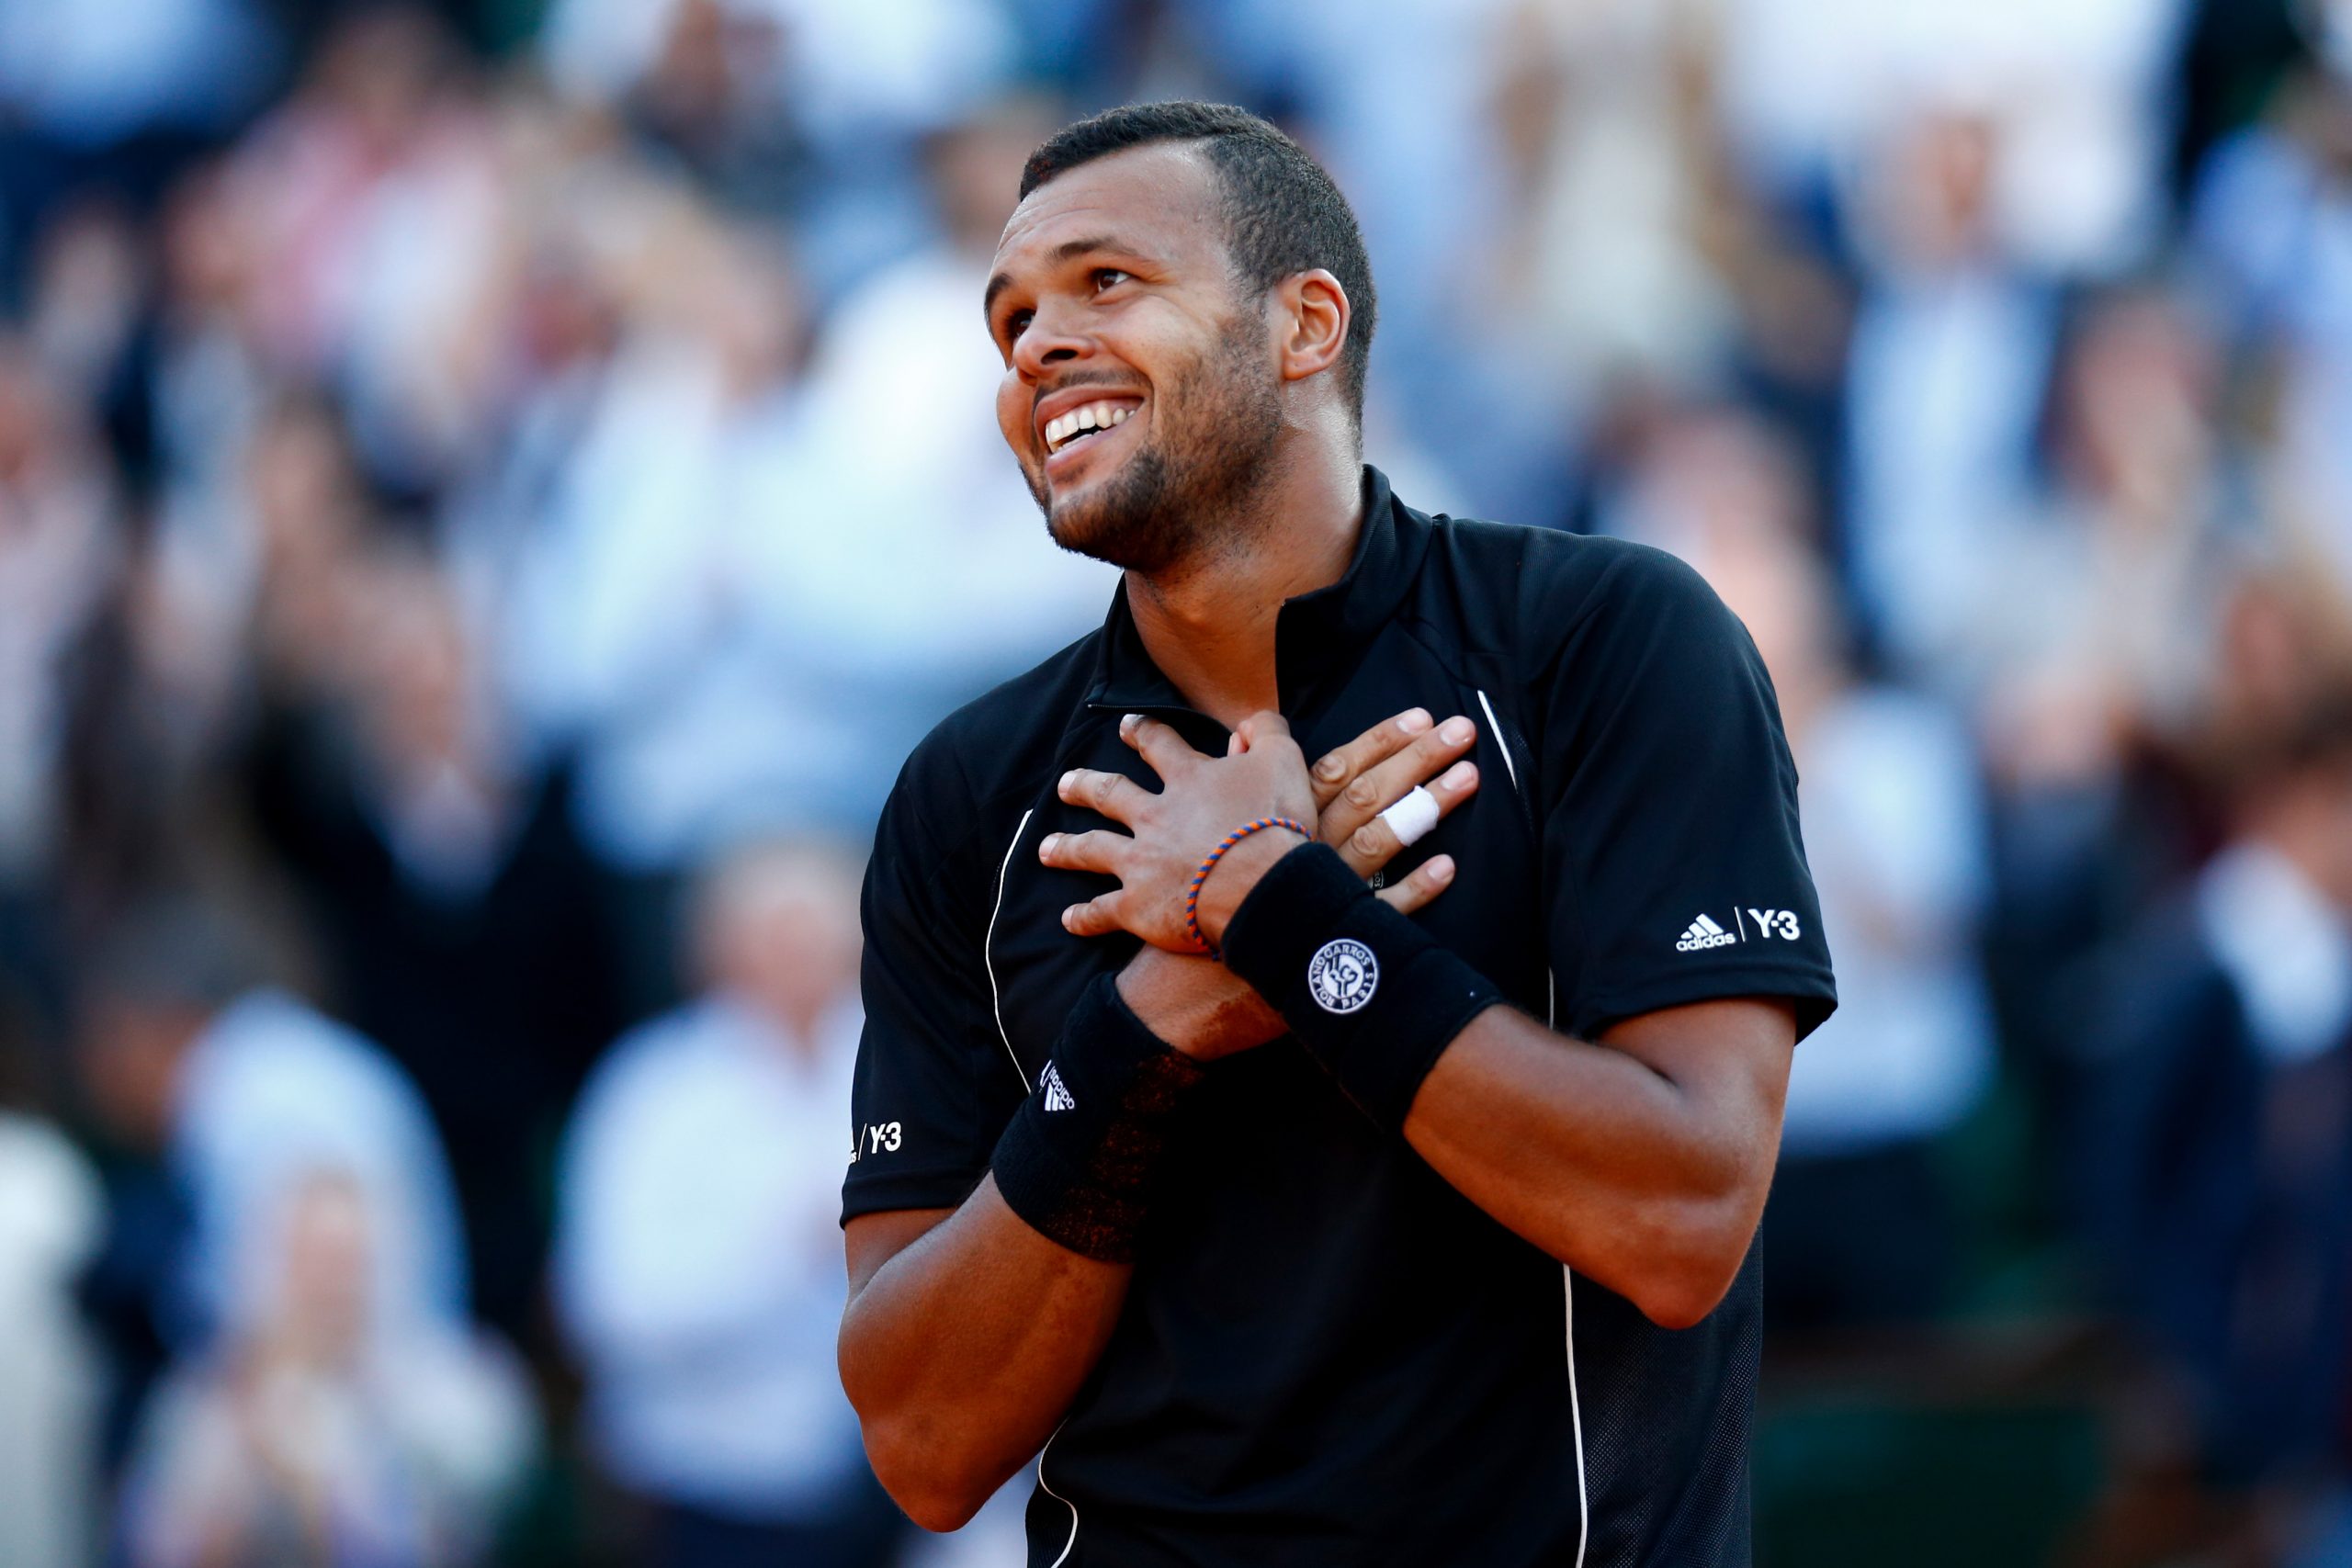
x: 1080, y: 424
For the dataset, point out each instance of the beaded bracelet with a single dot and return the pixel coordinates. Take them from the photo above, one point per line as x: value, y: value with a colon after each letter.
x: 1192, y: 891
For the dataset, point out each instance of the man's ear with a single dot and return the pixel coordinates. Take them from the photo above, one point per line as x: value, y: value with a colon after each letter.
x: 1313, y: 312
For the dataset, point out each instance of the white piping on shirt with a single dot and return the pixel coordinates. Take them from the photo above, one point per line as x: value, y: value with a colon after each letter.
x: 1567, y: 1275
x: 1057, y: 1497
x: 1576, y: 1414
x: 988, y: 961
x: 996, y: 999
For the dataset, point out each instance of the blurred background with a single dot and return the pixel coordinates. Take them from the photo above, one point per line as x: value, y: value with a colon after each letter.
x: 490, y: 491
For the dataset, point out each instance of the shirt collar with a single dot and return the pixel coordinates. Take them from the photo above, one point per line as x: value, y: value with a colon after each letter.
x: 1317, y: 637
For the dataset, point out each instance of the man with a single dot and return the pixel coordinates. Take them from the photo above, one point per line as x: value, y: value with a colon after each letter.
x: 241, y: 1089
x: 694, y: 1267
x: 2214, y: 1134
x: 1302, y: 1300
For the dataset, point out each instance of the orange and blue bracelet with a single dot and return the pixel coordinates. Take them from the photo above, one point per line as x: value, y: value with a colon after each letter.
x: 1193, y: 890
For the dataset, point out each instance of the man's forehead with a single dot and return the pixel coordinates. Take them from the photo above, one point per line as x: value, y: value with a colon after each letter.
x: 1164, y: 192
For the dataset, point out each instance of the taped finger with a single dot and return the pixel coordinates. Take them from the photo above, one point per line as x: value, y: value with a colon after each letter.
x: 1412, y: 817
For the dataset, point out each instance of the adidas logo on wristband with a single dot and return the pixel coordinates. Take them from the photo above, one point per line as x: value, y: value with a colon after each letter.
x: 1057, y: 1095
x: 1343, y: 976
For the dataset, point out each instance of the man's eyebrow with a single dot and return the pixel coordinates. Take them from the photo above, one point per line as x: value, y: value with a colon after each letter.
x: 1067, y: 249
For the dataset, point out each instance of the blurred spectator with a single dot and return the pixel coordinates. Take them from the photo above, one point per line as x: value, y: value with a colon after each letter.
x: 2093, y: 651
x: 95, y: 75
x: 1613, y: 157
x: 1951, y: 346
x: 457, y: 909
x: 637, y: 628
x: 723, y: 546
x: 946, y: 582
x: 57, y: 546
x: 793, y: 107
x: 313, y: 1433
x: 2273, y: 225
x: 698, y: 1265
x: 373, y: 201
x: 50, y: 1223
x: 2077, y: 88
x: 1860, y: 1230
x: 115, y: 96
x: 2216, y: 1154
x: 1861, y: 1227
x: 2105, y: 601
x: 239, y: 1088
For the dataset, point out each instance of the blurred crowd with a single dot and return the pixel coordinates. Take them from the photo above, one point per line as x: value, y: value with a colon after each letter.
x: 491, y: 492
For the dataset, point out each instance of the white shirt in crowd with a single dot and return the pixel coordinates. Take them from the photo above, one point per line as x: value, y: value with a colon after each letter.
x: 699, y: 1259
x: 1894, y: 831
x: 51, y: 1216
x: 272, y: 1091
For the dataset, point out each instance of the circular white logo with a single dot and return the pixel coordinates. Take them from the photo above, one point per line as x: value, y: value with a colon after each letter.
x: 1343, y: 974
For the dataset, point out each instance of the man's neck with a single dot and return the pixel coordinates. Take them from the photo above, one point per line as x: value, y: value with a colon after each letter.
x: 1208, y: 623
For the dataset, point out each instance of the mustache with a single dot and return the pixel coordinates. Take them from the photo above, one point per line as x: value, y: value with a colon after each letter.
x: 1081, y: 378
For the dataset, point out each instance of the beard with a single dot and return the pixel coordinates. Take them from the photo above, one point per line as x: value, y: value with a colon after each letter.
x: 1180, y: 497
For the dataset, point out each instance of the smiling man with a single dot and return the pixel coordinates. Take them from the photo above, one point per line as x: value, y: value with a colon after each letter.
x: 1299, y: 1217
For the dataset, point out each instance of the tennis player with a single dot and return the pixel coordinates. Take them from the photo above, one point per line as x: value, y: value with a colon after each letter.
x: 1326, y: 1030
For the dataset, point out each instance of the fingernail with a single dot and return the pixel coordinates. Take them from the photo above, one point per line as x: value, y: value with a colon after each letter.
x: 1457, y: 776
x: 1048, y: 844
x: 1063, y: 788
x: 1456, y: 731
x: 1329, y: 768
x: 1413, y: 721
x: 1129, y: 721
x: 1440, y: 869
x: 1069, y: 919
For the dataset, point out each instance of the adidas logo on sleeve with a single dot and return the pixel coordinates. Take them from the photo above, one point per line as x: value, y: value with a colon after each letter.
x: 1057, y: 1095
x: 1703, y: 935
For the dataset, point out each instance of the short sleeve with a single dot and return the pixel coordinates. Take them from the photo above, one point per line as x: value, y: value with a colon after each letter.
x: 1676, y: 869
x: 932, y: 1091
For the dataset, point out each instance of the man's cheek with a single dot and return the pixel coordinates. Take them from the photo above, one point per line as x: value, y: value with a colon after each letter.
x: 1012, y: 418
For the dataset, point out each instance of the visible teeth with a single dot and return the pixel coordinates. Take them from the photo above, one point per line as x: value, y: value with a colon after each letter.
x: 1060, y: 432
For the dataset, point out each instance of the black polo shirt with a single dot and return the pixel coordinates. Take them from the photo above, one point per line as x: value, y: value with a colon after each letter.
x: 1327, y: 1355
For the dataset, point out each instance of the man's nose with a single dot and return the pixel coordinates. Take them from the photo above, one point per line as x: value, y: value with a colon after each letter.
x: 1050, y: 339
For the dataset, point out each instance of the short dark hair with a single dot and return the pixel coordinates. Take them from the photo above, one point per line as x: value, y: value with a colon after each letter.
x: 1284, y: 214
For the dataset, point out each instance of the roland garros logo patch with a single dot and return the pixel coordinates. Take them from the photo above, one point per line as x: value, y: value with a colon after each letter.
x: 1343, y: 974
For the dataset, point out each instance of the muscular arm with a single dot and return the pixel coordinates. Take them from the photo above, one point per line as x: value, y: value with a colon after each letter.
x: 967, y: 1334
x: 1640, y: 1162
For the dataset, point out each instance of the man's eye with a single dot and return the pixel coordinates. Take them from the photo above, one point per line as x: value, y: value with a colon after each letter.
x: 1108, y: 277
x: 1016, y: 323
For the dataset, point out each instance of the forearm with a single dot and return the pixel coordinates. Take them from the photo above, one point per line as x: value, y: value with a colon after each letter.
x: 963, y: 1351
x: 966, y: 1338
x: 1642, y: 1161
x: 1650, y: 1186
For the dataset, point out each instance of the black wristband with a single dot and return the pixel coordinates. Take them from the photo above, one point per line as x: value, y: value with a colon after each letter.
x: 1368, y: 993
x: 1077, y: 1160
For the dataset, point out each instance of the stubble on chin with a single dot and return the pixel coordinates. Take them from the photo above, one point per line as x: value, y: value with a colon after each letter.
x: 1130, y: 524
x: 1190, y: 491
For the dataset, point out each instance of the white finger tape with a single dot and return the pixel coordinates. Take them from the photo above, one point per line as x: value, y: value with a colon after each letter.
x: 1412, y: 817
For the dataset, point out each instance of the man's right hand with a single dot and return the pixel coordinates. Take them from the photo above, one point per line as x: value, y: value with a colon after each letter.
x: 1204, y: 1010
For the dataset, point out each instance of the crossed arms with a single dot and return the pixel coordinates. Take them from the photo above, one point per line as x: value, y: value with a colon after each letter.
x: 1640, y: 1160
